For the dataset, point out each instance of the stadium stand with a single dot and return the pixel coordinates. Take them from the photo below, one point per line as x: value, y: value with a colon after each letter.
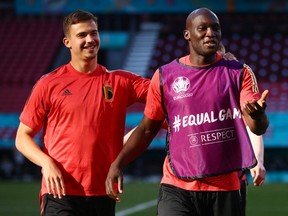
x: 27, y: 52
x: 263, y: 46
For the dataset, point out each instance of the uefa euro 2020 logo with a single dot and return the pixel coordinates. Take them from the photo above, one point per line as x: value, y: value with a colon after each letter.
x: 181, y: 84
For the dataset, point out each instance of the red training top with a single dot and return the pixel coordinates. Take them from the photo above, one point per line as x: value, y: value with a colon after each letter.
x: 83, y: 118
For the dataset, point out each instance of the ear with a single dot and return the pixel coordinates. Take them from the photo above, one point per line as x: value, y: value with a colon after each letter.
x: 186, y: 34
x: 66, y: 42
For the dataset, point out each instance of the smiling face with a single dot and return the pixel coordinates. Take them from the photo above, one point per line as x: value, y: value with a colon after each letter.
x: 83, y: 40
x: 203, y: 33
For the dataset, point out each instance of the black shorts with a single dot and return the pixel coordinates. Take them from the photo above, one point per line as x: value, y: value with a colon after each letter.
x: 175, y: 201
x: 77, y: 206
x: 243, y: 192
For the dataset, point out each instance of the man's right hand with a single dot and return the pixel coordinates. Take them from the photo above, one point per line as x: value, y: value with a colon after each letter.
x: 53, y: 178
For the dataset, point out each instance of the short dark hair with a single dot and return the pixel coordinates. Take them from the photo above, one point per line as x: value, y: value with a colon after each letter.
x: 77, y: 17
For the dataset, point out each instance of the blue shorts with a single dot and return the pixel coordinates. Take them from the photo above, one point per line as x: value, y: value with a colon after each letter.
x: 77, y: 206
x: 174, y: 201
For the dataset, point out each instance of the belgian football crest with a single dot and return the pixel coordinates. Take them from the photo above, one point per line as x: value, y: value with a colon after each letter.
x: 107, y: 92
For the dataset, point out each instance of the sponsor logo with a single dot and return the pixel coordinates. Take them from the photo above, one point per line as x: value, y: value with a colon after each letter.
x: 66, y: 92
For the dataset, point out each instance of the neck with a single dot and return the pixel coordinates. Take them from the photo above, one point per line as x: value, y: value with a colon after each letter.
x: 85, y: 66
x: 202, y: 60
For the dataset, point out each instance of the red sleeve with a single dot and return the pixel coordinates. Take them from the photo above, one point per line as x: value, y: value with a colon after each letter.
x: 249, y: 91
x: 153, y: 109
x: 140, y: 87
x: 35, y: 109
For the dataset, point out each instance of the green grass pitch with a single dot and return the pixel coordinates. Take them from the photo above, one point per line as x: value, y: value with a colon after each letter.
x: 21, y: 199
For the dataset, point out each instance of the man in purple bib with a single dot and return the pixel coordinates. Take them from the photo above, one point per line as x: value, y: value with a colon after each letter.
x: 206, y: 101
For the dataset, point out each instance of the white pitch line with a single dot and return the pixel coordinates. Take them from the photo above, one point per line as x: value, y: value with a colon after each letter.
x: 137, y: 208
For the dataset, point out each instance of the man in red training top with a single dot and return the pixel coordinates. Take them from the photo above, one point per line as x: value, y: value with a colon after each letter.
x: 81, y: 107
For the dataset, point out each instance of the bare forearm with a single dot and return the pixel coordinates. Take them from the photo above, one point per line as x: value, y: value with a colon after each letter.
x: 139, y: 141
x: 29, y: 148
x: 258, y: 145
x: 136, y: 145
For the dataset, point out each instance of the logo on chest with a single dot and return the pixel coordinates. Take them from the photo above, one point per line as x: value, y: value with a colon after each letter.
x: 180, y: 86
x: 107, y: 92
x: 66, y: 92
